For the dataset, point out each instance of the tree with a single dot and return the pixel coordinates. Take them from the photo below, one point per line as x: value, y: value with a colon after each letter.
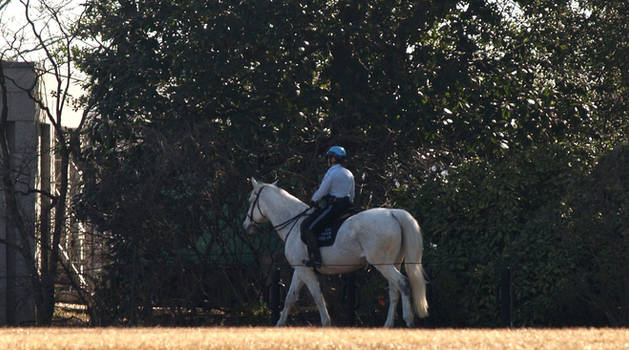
x: 597, y: 237
x: 531, y: 200
x: 43, y: 33
x: 209, y: 94
x: 585, y: 44
x: 485, y: 215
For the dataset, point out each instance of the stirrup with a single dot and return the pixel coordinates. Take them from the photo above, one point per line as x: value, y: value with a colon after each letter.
x: 312, y: 263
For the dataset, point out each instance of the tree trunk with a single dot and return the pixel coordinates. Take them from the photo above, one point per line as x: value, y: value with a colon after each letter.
x: 50, y: 275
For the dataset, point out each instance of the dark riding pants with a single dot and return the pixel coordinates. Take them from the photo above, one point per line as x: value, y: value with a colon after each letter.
x: 320, y: 219
x: 323, y: 217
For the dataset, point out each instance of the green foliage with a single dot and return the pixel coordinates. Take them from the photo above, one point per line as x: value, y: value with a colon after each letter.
x: 598, y: 236
x: 562, y: 231
x: 195, y: 97
x: 483, y: 216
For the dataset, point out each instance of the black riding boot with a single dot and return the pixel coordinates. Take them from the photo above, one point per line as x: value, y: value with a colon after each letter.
x: 314, y: 253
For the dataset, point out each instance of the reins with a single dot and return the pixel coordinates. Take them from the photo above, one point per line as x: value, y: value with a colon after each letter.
x: 292, y: 220
x: 278, y: 227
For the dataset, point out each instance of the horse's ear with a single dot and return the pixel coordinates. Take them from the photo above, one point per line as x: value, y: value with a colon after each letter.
x: 274, y: 183
x: 254, y: 182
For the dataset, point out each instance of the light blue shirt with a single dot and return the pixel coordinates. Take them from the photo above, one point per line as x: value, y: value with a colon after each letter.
x: 338, y: 182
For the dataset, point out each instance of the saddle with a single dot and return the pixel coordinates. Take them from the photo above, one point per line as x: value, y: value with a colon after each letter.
x: 326, y: 237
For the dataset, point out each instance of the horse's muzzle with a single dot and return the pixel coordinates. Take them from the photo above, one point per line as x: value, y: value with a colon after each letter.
x: 250, y: 227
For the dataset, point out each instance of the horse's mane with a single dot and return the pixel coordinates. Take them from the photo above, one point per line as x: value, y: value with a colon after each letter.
x: 284, y: 193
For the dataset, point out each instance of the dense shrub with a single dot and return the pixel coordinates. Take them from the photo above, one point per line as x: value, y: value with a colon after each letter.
x: 597, y: 238
x: 212, y: 93
x: 485, y: 215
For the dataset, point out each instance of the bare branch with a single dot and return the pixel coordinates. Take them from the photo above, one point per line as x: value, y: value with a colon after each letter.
x: 3, y: 4
x: 46, y: 38
x: 50, y: 196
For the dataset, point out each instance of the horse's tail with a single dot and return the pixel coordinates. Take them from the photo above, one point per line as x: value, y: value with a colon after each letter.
x: 413, y: 246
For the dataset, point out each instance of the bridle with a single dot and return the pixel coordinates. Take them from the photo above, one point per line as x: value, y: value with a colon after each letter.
x: 293, y: 220
x: 256, y: 202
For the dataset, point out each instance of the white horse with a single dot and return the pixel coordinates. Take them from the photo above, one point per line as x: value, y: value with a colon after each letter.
x: 381, y: 237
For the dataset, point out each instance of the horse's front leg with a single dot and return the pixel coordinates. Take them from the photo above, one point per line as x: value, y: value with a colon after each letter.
x: 292, y: 296
x: 309, y: 277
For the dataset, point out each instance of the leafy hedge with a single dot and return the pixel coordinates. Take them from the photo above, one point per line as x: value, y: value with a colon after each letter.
x: 561, y: 230
x: 213, y: 93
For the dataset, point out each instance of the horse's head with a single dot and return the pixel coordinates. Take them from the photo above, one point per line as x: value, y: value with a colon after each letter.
x: 255, y: 213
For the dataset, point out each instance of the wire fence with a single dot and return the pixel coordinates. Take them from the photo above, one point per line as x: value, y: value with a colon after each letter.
x: 276, y: 272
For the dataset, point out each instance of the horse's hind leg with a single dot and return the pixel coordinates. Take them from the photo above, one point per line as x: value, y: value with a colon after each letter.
x: 395, y: 277
x: 394, y: 298
x: 292, y: 296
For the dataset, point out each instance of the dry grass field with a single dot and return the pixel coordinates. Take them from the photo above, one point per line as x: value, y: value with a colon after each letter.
x: 310, y: 338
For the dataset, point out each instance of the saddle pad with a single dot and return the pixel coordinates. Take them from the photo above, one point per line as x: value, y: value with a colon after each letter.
x: 328, y: 235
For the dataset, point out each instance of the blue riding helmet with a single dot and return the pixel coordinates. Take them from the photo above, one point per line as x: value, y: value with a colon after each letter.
x: 337, y: 152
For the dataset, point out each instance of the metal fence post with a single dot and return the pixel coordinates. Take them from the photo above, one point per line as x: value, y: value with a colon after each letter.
x: 506, y: 294
x: 274, y: 296
x: 349, y: 297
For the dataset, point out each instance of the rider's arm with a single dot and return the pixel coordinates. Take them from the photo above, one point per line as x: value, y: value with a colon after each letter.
x: 324, y: 188
x: 352, y: 192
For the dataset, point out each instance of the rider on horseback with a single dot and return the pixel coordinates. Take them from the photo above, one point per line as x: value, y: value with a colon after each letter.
x: 334, y: 197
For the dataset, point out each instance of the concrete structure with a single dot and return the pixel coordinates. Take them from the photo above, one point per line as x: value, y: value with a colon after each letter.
x: 30, y: 144
x: 33, y: 164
